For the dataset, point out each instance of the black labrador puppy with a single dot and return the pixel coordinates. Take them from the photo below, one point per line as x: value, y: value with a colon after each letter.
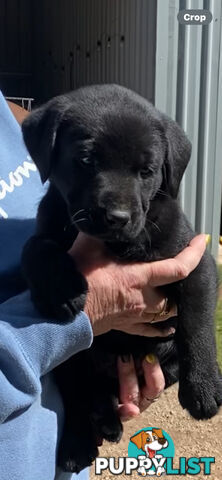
x: 115, y: 165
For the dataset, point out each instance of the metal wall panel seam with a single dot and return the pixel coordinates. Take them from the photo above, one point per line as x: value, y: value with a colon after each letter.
x: 162, y: 39
x: 144, y: 47
x: 190, y: 110
x: 123, y: 43
x: 173, y: 58
x: 117, y: 42
x: 217, y: 192
x: 207, y: 139
x: 137, y: 48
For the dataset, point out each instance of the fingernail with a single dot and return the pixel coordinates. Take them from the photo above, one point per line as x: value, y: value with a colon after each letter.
x: 151, y: 358
x: 125, y: 419
x: 125, y: 358
x: 171, y: 330
x: 208, y: 239
x: 129, y: 417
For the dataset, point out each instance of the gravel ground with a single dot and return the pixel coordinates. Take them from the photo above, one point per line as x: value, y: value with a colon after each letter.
x: 191, y: 438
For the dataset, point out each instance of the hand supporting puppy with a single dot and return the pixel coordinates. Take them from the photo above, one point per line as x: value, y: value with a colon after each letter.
x: 125, y: 297
x: 119, y: 295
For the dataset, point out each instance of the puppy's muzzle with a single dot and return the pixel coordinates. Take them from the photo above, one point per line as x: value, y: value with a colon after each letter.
x: 117, y: 218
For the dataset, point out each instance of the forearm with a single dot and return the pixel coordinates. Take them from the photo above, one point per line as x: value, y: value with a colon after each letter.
x: 35, y: 346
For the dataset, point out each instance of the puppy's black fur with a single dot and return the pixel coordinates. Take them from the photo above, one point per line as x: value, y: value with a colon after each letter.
x: 115, y: 164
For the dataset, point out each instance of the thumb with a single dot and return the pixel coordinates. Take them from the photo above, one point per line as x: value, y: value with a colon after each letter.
x: 174, y: 269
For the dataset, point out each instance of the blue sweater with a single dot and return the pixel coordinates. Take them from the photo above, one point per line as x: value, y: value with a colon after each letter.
x: 31, y: 410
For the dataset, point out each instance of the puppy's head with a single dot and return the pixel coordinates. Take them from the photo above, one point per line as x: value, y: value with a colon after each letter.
x: 108, y: 151
x: 150, y: 441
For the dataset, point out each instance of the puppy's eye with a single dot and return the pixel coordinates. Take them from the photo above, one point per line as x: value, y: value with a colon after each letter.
x: 154, y: 437
x: 146, y: 171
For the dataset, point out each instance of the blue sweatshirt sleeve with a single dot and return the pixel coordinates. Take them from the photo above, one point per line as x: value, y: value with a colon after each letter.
x: 30, y: 347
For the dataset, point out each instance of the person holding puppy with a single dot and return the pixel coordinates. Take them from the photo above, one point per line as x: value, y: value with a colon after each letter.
x: 120, y: 297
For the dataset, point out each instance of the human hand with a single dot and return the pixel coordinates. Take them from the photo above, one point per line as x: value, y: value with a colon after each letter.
x: 125, y: 296
x: 134, y: 401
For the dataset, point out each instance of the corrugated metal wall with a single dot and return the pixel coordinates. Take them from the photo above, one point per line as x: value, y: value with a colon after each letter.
x: 83, y: 41
x: 190, y: 60
x: 15, y: 47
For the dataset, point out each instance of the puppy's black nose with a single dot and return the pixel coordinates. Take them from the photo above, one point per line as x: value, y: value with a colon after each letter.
x: 118, y: 217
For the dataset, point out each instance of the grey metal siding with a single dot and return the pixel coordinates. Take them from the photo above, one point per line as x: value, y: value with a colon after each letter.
x: 94, y: 41
x: 15, y: 47
x: 196, y: 104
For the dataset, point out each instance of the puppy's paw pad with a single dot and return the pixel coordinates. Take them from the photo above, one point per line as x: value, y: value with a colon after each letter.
x: 112, y: 433
x: 75, y: 457
x: 218, y: 395
x: 201, y: 398
x: 77, y: 304
x: 70, y: 466
x: 106, y: 421
x: 77, y: 465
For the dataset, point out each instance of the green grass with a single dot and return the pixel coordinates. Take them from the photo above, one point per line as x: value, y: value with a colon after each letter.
x: 219, y: 319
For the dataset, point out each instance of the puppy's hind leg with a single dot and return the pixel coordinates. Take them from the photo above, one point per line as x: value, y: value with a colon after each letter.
x: 78, y: 447
x: 78, y: 444
x: 104, y: 416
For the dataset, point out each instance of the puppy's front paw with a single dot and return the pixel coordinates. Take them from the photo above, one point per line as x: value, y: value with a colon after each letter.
x: 59, y: 290
x: 76, y: 453
x: 111, y: 431
x: 105, y: 417
x: 201, y: 396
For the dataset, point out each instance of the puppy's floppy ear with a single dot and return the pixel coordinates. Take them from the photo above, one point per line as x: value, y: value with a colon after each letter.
x: 138, y: 439
x: 39, y: 132
x: 177, y: 155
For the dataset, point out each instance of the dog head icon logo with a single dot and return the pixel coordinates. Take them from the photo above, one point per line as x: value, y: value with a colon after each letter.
x: 151, y: 446
x: 150, y: 441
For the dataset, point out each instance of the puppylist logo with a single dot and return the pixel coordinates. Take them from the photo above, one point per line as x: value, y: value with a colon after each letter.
x: 152, y: 447
x: 151, y: 453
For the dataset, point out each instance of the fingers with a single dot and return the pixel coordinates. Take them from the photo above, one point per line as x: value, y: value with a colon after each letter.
x: 160, y: 316
x: 146, y: 330
x: 153, y: 298
x: 130, y: 318
x: 127, y: 411
x: 190, y: 257
x: 89, y: 252
x: 133, y: 401
x: 173, y: 269
x: 129, y: 393
x: 178, y: 268
x: 154, y: 381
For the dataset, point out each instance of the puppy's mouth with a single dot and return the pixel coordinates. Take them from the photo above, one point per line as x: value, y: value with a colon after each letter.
x: 150, y: 453
x: 93, y: 223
